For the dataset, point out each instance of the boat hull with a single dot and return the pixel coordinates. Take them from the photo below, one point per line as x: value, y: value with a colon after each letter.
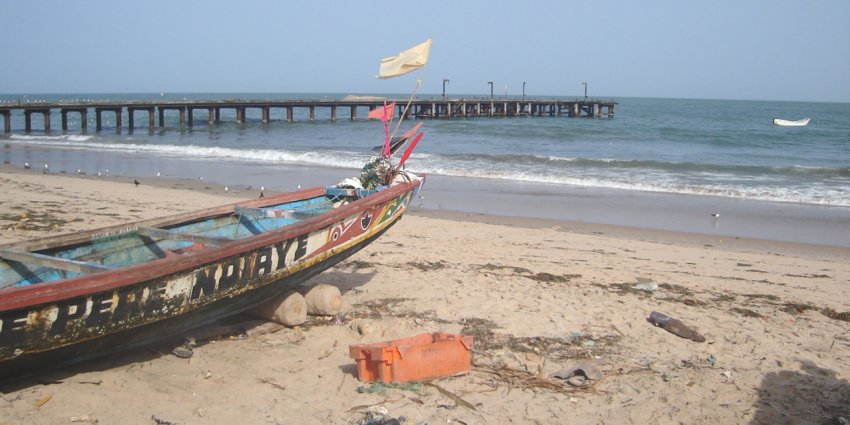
x: 46, y: 326
x: 34, y: 363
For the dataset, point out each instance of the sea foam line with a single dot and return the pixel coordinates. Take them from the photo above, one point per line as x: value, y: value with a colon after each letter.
x: 327, y: 159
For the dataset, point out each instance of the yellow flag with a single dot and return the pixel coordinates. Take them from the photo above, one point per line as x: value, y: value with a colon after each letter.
x: 409, y: 60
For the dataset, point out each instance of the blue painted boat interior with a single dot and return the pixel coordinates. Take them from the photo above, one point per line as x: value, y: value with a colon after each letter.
x: 131, y: 248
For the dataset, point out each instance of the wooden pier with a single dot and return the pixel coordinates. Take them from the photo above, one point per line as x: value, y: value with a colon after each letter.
x: 187, y: 109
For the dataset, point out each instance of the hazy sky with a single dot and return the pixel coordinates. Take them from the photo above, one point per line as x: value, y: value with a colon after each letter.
x: 723, y: 49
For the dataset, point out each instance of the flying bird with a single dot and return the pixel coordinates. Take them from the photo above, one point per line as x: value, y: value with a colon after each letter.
x: 715, y: 214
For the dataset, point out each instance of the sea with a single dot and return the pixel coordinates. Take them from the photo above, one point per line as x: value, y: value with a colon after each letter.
x: 655, y: 157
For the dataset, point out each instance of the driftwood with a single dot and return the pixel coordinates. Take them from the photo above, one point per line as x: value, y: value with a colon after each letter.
x: 290, y: 309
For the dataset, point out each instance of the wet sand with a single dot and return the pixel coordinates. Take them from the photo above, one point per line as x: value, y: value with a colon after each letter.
x: 538, y: 295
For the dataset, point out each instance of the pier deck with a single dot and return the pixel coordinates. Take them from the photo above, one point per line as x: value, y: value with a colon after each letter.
x: 186, y: 110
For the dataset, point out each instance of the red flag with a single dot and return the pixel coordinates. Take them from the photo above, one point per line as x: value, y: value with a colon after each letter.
x: 410, y: 149
x: 382, y: 113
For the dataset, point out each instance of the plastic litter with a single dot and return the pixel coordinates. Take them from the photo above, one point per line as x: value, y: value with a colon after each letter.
x: 645, y: 284
x: 418, y: 358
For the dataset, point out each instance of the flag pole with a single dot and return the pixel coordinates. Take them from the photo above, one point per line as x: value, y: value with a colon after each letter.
x: 407, y: 106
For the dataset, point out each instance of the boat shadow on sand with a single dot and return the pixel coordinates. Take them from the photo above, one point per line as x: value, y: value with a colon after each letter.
x: 811, y: 395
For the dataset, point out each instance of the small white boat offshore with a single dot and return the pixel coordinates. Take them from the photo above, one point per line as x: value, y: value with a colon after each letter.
x: 791, y: 123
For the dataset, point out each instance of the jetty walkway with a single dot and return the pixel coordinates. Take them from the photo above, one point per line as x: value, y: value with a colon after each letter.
x: 186, y: 110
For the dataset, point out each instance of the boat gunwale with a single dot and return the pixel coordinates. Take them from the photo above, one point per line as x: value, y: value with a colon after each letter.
x: 48, y: 292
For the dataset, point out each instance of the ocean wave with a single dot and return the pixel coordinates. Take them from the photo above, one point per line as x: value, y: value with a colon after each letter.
x: 327, y: 159
x: 64, y: 137
x: 797, y: 184
x: 663, y: 183
x: 650, y: 165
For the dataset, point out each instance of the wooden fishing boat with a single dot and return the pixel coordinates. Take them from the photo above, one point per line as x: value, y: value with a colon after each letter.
x: 791, y: 123
x: 71, y: 298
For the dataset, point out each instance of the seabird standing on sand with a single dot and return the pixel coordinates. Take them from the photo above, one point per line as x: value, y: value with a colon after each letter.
x: 27, y: 165
x: 136, y: 182
x: 46, y: 169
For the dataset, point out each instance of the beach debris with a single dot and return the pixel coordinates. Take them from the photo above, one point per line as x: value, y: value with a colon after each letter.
x: 183, y: 351
x: 363, y: 328
x: 272, y: 383
x: 580, y: 375
x: 645, y: 284
x: 381, y: 416
x: 454, y: 397
x: 418, y: 358
x: 516, y: 378
x: 159, y: 421
x: 674, y: 326
x: 84, y: 418
x: 711, y: 359
x: 42, y: 401
x: 379, y: 387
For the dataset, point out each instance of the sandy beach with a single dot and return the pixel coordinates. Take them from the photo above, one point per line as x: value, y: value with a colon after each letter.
x: 539, y: 296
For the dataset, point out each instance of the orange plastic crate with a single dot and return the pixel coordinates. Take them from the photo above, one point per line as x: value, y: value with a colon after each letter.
x: 418, y: 358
